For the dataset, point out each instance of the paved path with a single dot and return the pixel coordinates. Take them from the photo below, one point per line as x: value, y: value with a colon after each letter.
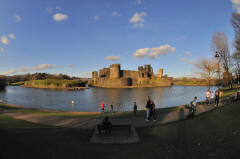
x: 90, y: 123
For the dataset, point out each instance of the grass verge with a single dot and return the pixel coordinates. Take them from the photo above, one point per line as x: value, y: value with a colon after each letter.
x: 212, y: 135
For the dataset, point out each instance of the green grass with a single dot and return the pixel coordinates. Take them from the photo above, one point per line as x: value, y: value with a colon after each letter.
x: 227, y: 91
x: 215, y: 134
x: 69, y: 114
x: 54, y: 83
x: 17, y: 83
x: 191, y: 82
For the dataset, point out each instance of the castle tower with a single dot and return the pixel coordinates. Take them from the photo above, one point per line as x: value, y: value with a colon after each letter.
x: 94, y: 75
x: 115, y: 70
x: 147, y: 68
x: 140, y: 68
x: 160, y: 73
x: 148, y: 71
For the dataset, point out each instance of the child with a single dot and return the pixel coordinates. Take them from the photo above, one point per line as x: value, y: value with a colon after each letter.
x: 153, y: 111
x: 102, y: 107
x: 135, y: 108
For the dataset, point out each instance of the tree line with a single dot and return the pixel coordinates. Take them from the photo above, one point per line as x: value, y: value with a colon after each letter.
x: 223, y: 64
x: 36, y: 76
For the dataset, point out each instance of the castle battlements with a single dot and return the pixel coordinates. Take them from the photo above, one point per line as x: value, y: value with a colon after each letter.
x: 114, y: 77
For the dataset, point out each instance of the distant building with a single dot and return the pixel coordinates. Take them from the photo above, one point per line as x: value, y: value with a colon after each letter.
x: 114, y: 77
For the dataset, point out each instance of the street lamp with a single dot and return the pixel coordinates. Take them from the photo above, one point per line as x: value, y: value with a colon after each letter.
x: 217, y: 56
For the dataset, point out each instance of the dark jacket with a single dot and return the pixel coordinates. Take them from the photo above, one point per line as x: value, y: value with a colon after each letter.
x: 148, y: 104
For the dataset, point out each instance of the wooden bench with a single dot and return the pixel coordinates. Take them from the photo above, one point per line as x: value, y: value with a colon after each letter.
x: 114, y: 128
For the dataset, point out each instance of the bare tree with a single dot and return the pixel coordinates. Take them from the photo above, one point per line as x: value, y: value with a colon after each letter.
x: 236, y: 58
x: 220, y: 45
x: 236, y: 55
x: 207, y: 69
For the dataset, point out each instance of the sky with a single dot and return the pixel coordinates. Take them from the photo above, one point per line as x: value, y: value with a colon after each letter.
x: 76, y: 37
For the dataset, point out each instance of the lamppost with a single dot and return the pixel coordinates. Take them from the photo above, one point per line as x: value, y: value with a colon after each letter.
x: 217, y: 56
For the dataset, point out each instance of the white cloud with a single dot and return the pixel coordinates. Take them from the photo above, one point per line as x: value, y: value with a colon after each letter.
x: 5, y: 40
x: 154, y: 52
x: 162, y: 50
x: 96, y: 18
x: 12, y: 36
x: 188, y: 53
x: 138, y: 19
x: 1, y: 49
x: 139, y: 1
x: 17, y: 18
x: 112, y: 58
x: 115, y: 14
x: 140, y: 53
x: 183, y: 59
x: 190, y: 62
x: 70, y: 65
x: 236, y: 5
x: 86, y: 74
x: 59, y: 17
x: 34, y: 68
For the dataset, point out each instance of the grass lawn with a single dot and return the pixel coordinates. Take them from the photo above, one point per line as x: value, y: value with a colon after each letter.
x: 215, y: 134
x: 230, y: 91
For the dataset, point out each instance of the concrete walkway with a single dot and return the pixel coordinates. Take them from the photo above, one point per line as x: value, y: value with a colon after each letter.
x: 116, y: 137
x: 90, y: 123
x: 120, y: 137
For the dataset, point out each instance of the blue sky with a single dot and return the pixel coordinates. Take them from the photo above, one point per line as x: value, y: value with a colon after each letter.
x: 76, y: 37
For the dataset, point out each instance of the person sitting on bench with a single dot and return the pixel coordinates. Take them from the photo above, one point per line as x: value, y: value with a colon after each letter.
x: 107, y: 125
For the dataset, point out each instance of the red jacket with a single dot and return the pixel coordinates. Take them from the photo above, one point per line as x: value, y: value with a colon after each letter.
x: 102, y: 105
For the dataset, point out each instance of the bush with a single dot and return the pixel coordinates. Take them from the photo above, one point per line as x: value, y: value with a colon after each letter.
x: 55, y: 83
x: 2, y: 82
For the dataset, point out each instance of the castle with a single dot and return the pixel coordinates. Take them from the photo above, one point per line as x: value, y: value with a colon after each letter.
x: 114, y: 77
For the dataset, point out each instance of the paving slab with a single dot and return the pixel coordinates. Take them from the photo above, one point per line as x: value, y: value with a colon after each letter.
x: 116, y: 137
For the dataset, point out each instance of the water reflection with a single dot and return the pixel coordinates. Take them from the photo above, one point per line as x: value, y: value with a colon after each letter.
x: 90, y: 99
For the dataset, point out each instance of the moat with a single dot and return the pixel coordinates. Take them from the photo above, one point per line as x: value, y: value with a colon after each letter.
x: 90, y: 99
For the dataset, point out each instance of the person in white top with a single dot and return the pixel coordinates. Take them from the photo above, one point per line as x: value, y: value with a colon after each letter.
x: 207, y: 96
x: 211, y: 97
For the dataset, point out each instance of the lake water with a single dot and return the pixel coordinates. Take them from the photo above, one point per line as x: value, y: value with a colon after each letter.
x: 90, y: 99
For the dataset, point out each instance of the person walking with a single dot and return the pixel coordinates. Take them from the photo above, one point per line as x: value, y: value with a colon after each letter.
x: 211, y: 97
x: 207, y: 97
x: 135, y: 108
x: 153, y: 111
x: 111, y: 108
x: 216, y: 98
x: 193, y: 105
x: 102, y: 107
x: 148, y: 108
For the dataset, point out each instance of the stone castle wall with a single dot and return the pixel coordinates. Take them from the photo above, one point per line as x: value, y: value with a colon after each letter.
x: 115, y: 77
x: 130, y: 74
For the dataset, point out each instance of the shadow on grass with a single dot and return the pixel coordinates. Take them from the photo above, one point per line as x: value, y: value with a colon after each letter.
x: 211, y: 135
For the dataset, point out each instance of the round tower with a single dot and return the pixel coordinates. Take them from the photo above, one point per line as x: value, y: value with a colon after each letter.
x: 94, y: 76
x: 115, y: 71
x: 160, y: 73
